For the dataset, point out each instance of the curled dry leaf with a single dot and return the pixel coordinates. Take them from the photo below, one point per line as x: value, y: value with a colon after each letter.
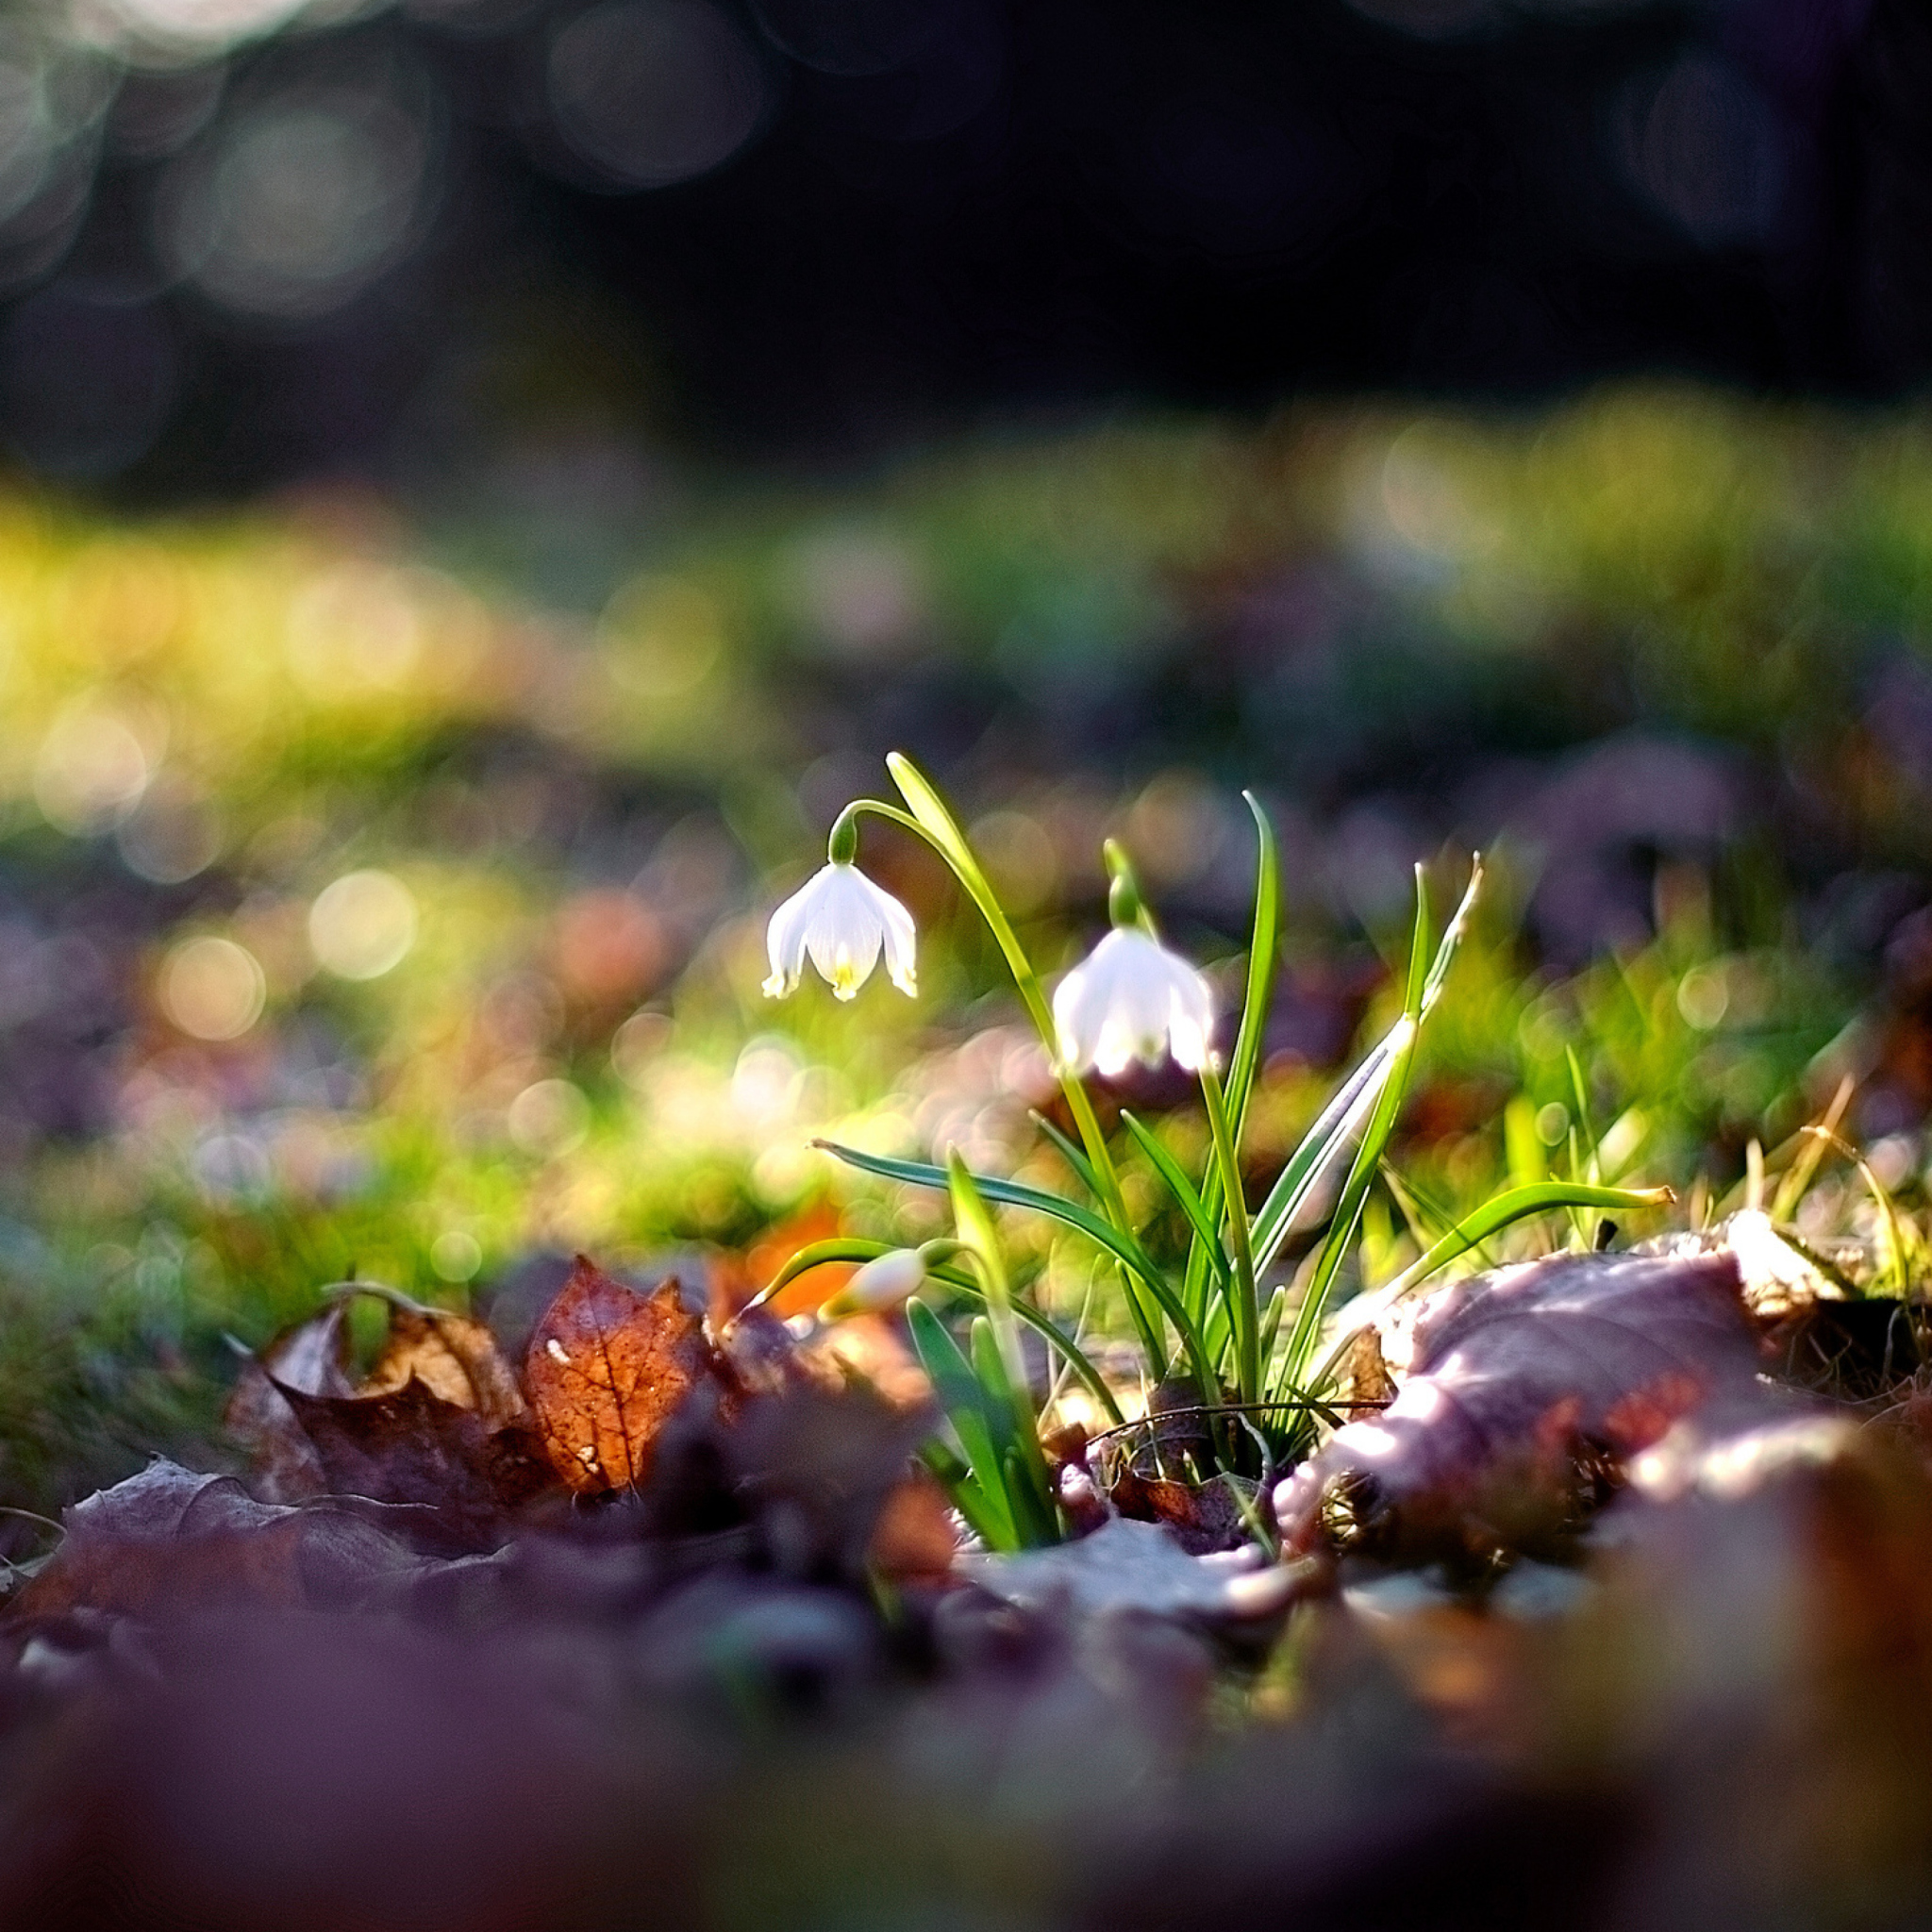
x: 295, y: 1411
x: 453, y: 1357
x: 1529, y: 1392
x: 606, y: 1369
x: 1201, y: 1517
x: 169, y: 1542
x: 439, y: 1424
x: 1160, y: 1470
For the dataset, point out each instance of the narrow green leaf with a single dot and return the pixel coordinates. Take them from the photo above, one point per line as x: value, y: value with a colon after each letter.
x: 858, y: 1248
x: 975, y: 1226
x: 1262, y: 943
x: 1014, y: 1439
x: 990, y: 1370
x: 1354, y: 1189
x: 1420, y: 951
x: 924, y: 802
x: 931, y: 816
x: 921, y: 1174
x: 816, y: 1256
x: 1321, y: 1146
x: 1124, y: 1248
x: 1500, y: 1210
x: 1427, y: 972
x: 1049, y: 1331
x: 1178, y: 1184
x: 1206, y: 1254
x: 1580, y: 1091
x: 1069, y: 1152
x: 1217, y: 1331
x: 964, y: 1402
x: 1453, y: 936
x: 974, y: 1223
x: 969, y: 1499
x: 1271, y: 1321
x: 1027, y: 1488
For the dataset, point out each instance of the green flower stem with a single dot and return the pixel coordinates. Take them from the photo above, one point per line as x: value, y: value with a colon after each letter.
x: 1244, y: 1301
x: 947, y: 841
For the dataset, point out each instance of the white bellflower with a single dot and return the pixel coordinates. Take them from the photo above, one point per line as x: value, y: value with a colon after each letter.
x: 841, y: 921
x: 1132, y: 999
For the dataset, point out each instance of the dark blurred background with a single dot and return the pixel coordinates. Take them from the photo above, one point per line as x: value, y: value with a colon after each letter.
x: 243, y: 242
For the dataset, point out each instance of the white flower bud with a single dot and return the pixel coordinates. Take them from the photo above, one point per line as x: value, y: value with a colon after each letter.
x: 882, y: 1283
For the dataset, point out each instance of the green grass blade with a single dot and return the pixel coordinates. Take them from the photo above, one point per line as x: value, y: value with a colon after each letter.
x: 1217, y: 1331
x: 975, y: 1226
x: 1262, y: 943
x: 931, y: 817
x: 817, y: 1255
x: 921, y: 1174
x: 1015, y: 1441
x: 858, y: 1248
x: 1043, y: 1519
x: 1580, y: 1092
x: 1271, y: 1321
x: 1453, y: 936
x: 1050, y: 1332
x: 1428, y: 969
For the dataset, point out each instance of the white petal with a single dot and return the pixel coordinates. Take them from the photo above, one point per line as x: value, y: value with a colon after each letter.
x: 845, y: 932
x: 1190, y: 1020
x: 784, y: 939
x: 902, y: 938
x: 1080, y: 1009
x: 1130, y: 1000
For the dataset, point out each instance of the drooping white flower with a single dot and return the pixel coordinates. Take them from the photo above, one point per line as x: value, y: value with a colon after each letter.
x: 1132, y: 999
x: 839, y: 921
x: 882, y: 1283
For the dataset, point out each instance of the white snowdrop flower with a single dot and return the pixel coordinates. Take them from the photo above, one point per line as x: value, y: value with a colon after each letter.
x: 882, y: 1283
x: 1132, y: 999
x: 839, y: 921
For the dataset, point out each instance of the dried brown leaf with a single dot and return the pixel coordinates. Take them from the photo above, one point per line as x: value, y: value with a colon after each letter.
x: 169, y: 1540
x: 409, y: 1447
x: 1528, y: 1390
x: 1202, y: 1517
x: 451, y: 1356
x: 312, y: 1356
x: 1363, y: 1376
x: 606, y: 1369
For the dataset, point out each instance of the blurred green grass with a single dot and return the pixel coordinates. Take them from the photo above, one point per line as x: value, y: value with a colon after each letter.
x: 582, y: 764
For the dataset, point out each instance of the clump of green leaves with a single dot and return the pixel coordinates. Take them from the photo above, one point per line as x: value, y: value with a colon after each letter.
x: 1254, y: 1369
